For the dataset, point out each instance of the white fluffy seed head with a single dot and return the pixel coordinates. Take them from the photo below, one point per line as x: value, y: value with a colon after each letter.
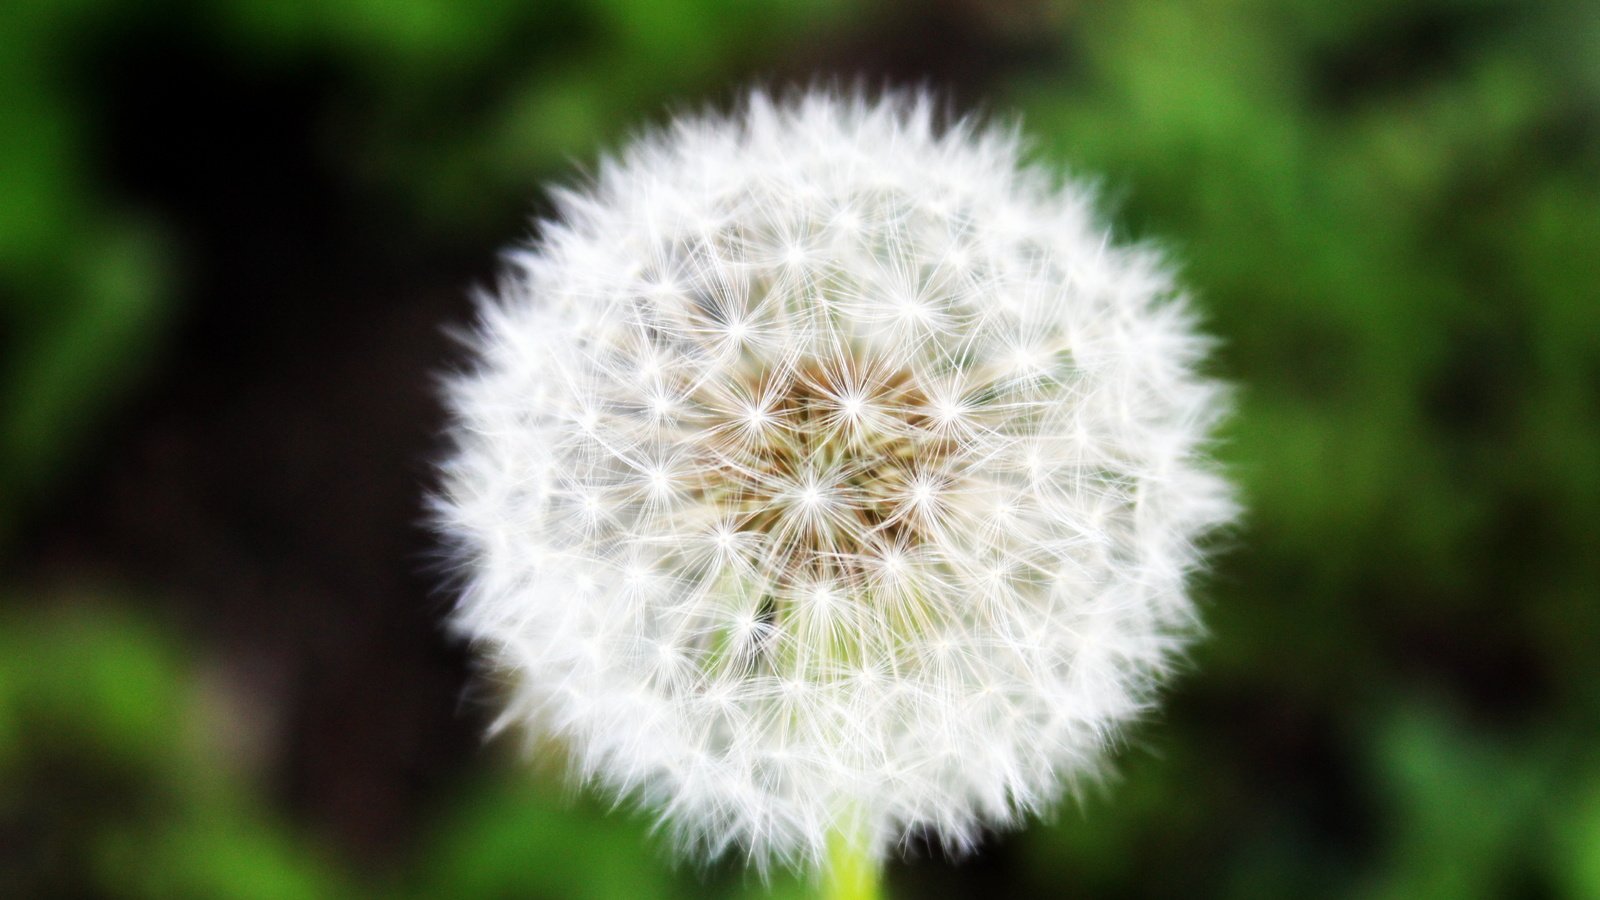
x: 823, y: 471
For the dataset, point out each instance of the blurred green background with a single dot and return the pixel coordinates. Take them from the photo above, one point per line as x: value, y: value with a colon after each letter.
x: 232, y: 233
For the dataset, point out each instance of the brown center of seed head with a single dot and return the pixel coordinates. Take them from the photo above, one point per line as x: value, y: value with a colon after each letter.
x: 830, y: 460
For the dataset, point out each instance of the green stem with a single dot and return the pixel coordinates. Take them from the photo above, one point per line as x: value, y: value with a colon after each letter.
x: 851, y: 873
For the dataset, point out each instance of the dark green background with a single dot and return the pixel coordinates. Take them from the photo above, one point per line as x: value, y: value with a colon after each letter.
x: 232, y: 235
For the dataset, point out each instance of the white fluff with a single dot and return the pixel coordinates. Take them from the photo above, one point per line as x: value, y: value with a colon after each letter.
x: 825, y: 471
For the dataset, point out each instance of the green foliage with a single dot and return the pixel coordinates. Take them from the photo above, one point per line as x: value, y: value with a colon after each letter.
x: 82, y: 281
x: 111, y: 779
x: 485, y: 849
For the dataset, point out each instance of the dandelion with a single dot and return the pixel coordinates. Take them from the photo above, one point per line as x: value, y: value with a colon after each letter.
x: 828, y: 478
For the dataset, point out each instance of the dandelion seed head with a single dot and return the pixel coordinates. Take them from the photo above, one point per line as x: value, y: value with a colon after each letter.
x: 822, y: 466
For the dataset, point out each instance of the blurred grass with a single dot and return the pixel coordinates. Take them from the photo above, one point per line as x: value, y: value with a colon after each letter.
x: 1389, y: 212
x: 119, y: 791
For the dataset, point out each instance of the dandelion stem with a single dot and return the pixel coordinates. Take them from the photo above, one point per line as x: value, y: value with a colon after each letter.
x: 851, y: 873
